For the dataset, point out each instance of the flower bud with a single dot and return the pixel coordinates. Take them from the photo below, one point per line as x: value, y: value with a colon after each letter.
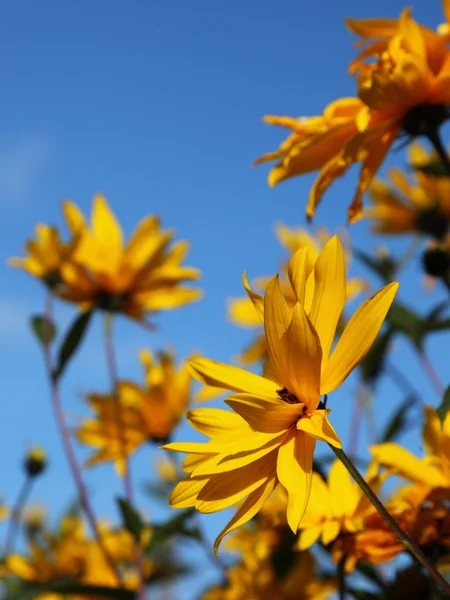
x: 35, y: 461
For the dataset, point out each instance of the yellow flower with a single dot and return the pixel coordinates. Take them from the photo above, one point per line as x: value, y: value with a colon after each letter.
x: 270, y: 435
x: 405, y: 207
x: 45, y: 255
x: 241, y: 311
x: 334, y: 508
x: 149, y: 412
x: 401, y: 91
x: 143, y: 275
x: 431, y: 471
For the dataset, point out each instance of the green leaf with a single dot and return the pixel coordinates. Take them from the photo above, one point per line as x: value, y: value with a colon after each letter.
x: 178, y: 526
x: 398, y: 421
x: 71, y: 342
x: 407, y: 321
x: 433, y: 167
x: 131, y: 518
x: 442, y: 410
x: 71, y: 589
x: 43, y: 329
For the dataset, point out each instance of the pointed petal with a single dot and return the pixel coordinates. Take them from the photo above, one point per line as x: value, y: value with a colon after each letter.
x: 74, y: 217
x: 186, y: 491
x: 277, y: 317
x: 298, y: 274
x: 257, y: 299
x: 294, y: 471
x: 329, y: 294
x: 222, y: 463
x: 308, y: 537
x: 303, y: 359
x: 248, y: 510
x: 357, y: 338
x: 214, y: 422
x: 330, y: 531
x: 319, y: 427
x: 263, y: 416
x: 105, y: 227
x: 232, y: 378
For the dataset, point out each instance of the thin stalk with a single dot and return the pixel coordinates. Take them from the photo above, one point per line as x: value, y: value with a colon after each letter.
x: 431, y: 373
x: 16, y: 515
x: 341, y: 578
x: 409, y: 254
x: 436, y: 141
x: 404, y: 538
x: 355, y: 426
x: 127, y: 481
x: 68, y: 449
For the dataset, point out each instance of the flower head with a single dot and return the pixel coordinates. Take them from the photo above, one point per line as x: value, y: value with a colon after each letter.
x: 142, y: 275
x: 403, y: 90
x: 270, y: 435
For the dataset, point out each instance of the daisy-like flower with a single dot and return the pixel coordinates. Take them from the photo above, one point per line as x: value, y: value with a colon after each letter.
x: 401, y: 92
x: 241, y: 311
x: 270, y: 435
x: 144, y: 275
x: 148, y: 412
x: 402, y: 207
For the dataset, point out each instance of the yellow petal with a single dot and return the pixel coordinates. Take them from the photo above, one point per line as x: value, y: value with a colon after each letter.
x: 257, y: 299
x: 357, y: 338
x: 297, y: 273
x: 276, y: 321
x: 248, y: 510
x: 74, y: 217
x: 330, y: 531
x: 214, y: 422
x: 344, y: 493
x: 329, y: 293
x: 303, y: 359
x: 407, y: 465
x: 319, y: 427
x: 294, y: 471
x: 222, y: 463
x: 308, y: 537
x: 232, y: 378
x: 263, y: 416
x: 106, y: 228
x: 186, y: 491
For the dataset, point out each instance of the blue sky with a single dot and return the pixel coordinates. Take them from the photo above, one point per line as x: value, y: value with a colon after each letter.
x: 158, y: 105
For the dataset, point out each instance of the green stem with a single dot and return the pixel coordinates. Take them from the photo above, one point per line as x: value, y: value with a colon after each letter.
x: 16, y: 515
x: 404, y: 538
x: 436, y: 141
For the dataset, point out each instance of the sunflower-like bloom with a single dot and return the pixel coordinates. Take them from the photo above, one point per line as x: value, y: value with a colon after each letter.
x: 241, y: 311
x: 144, y: 275
x: 45, y: 255
x: 270, y: 435
x: 70, y: 553
x: 402, y: 90
x: 404, y: 207
x: 147, y: 413
x: 335, y: 507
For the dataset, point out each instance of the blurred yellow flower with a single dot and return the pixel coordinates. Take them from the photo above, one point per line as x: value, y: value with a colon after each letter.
x: 45, y: 255
x: 144, y: 275
x: 70, y: 553
x: 404, y: 207
x: 241, y: 311
x: 335, y: 507
x: 401, y: 91
x: 270, y: 436
x: 147, y: 413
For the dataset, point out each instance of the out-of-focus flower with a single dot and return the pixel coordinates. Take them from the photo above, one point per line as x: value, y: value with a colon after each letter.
x: 404, y: 207
x: 147, y: 413
x: 376, y: 34
x: 166, y: 469
x: 241, y: 311
x: 144, y: 275
x: 270, y: 436
x: 45, y: 255
x: 335, y: 507
x: 4, y: 512
x: 70, y: 553
x: 35, y: 461
x: 404, y: 90
x: 431, y: 471
x: 34, y: 519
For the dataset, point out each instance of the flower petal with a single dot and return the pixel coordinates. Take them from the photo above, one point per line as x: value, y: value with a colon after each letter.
x: 357, y: 338
x: 186, y: 491
x: 276, y: 321
x: 232, y: 378
x: 329, y: 294
x: 263, y: 416
x: 214, y: 422
x: 297, y: 273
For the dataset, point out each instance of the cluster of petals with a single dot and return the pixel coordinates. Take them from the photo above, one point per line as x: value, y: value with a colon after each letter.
x: 406, y: 83
x: 269, y: 436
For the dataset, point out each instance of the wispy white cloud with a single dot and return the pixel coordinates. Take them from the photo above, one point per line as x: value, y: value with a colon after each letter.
x: 22, y: 163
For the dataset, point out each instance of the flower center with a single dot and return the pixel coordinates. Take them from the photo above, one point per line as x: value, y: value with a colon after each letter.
x: 432, y: 221
x: 289, y: 397
x: 111, y: 302
x: 425, y: 119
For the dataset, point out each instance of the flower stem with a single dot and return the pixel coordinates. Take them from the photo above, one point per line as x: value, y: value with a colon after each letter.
x: 404, y: 538
x: 68, y: 449
x: 121, y: 433
x: 341, y: 578
x: 436, y: 141
x: 432, y: 374
x: 16, y: 515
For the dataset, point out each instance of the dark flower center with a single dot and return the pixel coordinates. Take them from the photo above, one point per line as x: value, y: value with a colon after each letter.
x: 52, y: 279
x: 288, y: 396
x: 425, y: 119
x: 111, y: 302
x: 432, y: 222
